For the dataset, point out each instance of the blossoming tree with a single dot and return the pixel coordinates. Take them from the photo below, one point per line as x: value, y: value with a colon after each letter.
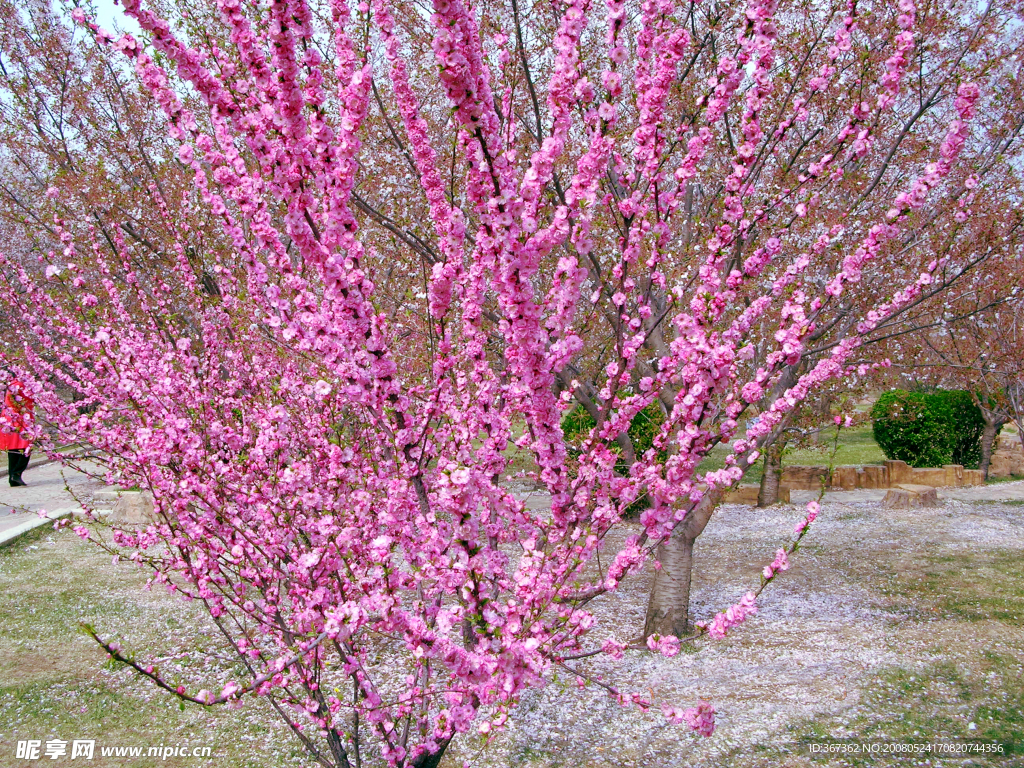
x: 975, y: 345
x: 613, y: 204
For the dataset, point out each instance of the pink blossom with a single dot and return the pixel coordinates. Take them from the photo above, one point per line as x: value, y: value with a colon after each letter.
x: 322, y: 396
x: 701, y: 718
x: 780, y: 563
x: 613, y: 648
x: 813, y: 508
x: 667, y: 645
x: 736, y: 614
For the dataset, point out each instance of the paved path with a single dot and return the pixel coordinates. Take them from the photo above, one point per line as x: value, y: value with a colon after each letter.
x: 50, y: 486
x: 1012, y: 491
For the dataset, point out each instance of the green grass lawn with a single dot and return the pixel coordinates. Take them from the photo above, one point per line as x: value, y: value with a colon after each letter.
x: 856, y: 446
x: 969, y: 694
x: 56, y: 683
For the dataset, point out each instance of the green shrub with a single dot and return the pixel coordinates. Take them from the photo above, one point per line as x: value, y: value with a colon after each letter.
x: 576, y: 426
x: 959, y: 408
x: 906, y: 429
x: 929, y: 429
x: 577, y: 423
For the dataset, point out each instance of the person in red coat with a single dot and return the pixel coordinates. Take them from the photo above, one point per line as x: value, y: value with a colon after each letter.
x: 15, y: 418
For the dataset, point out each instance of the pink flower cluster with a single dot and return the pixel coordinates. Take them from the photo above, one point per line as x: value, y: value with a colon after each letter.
x: 700, y: 718
x: 325, y: 408
x: 667, y: 645
x: 780, y: 563
x: 813, y: 508
x: 719, y: 626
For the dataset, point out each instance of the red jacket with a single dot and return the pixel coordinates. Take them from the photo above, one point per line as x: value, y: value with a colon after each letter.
x: 15, y: 417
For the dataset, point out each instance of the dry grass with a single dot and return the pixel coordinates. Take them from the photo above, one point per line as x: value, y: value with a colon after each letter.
x: 902, y: 626
x: 56, y: 683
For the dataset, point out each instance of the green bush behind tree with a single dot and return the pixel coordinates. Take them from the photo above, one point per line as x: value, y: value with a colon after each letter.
x: 577, y: 424
x: 929, y: 429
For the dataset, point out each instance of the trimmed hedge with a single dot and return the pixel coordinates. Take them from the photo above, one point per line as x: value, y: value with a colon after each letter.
x: 929, y: 429
x: 968, y: 425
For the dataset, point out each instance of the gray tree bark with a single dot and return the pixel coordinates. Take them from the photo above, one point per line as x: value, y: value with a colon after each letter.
x: 668, y: 606
x: 768, y: 494
x: 988, y: 438
x: 669, y: 600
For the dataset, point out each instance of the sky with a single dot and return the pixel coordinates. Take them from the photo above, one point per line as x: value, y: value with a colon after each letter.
x: 110, y: 15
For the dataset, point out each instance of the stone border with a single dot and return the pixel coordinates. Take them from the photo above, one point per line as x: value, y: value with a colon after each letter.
x: 12, y: 535
x: 878, y: 476
x: 896, y: 475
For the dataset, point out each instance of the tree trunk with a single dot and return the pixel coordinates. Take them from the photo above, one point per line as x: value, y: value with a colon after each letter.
x: 433, y: 759
x: 668, y: 606
x: 988, y: 438
x: 772, y: 477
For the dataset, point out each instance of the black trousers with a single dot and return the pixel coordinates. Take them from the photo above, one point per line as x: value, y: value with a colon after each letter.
x: 17, y: 462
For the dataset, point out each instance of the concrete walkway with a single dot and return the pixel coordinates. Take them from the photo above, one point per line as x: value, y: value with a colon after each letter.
x: 1011, y: 491
x: 51, y: 486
